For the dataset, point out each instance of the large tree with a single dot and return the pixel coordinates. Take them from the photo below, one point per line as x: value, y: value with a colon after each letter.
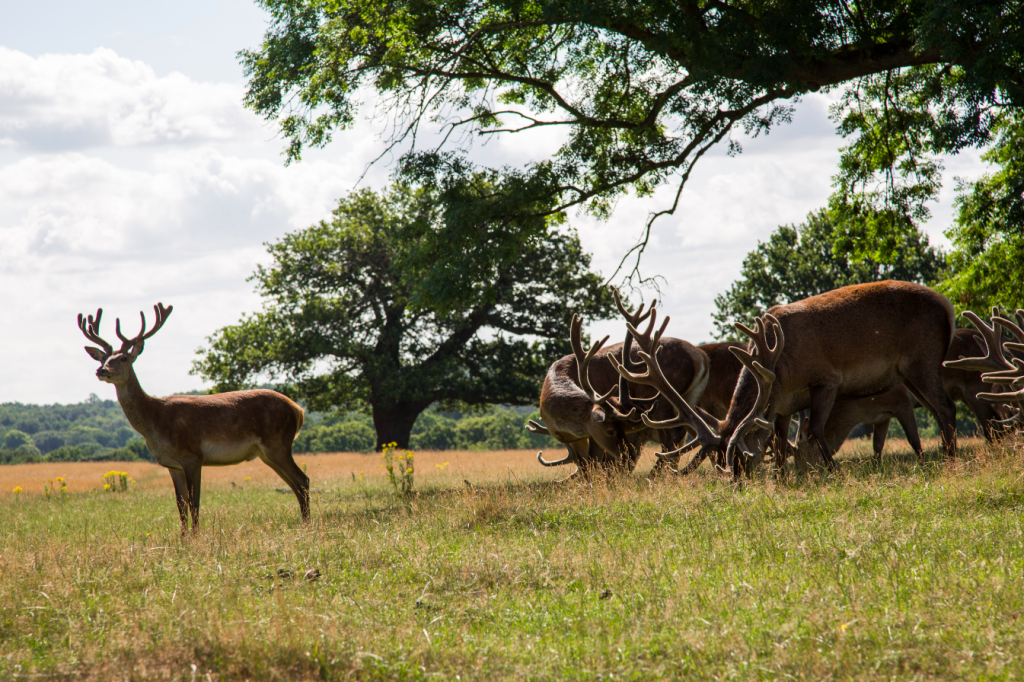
x: 803, y: 260
x: 347, y: 319
x: 644, y: 89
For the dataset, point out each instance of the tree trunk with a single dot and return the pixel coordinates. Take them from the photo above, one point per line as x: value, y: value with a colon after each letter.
x: 394, y: 424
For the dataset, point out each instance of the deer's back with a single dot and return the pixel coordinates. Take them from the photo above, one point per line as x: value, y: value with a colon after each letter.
x: 188, y: 421
x: 863, y: 334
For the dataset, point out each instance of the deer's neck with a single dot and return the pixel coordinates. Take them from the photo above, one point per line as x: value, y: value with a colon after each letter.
x: 137, y: 405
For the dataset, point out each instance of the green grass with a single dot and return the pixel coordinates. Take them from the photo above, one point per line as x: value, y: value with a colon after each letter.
x: 896, y: 572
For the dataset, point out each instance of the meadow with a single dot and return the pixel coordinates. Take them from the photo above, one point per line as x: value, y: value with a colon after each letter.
x: 490, y: 571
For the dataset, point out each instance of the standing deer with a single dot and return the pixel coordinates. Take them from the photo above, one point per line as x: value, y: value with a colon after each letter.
x: 187, y: 432
x: 962, y: 385
x: 856, y: 341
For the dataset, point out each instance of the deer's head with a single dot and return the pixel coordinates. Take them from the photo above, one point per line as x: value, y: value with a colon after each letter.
x: 115, y: 367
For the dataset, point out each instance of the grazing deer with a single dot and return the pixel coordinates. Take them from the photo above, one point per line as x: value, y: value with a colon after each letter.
x: 856, y: 341
x: 578, y: 408
x: 187, y: 432
x: 847, y: 413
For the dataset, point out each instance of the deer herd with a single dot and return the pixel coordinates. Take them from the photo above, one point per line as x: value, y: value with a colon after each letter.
x: 862, y: 354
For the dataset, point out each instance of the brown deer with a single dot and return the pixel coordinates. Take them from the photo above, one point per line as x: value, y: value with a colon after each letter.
x: 578, y: 408
x: 962, y: 385
x: 856, y: 341
x: 187, y: 432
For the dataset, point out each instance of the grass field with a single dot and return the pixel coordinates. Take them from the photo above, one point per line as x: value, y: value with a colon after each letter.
x: 897, y: 572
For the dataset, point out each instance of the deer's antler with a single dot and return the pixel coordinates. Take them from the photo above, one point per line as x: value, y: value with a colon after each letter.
x: 161, y: 313
x: 583, y: 368
x: 993, y: 360
x: 685, y: 414
x: 762, y: 366
x: 634, y: 318
x: 90, y: 326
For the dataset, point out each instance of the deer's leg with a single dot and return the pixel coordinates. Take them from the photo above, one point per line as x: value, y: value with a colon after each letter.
x: 781, y: 441
x: 670, y: 439
x: 822, y: 398
x: 906, y: 419
x: 280, y: 459
x: 986, y: 415
x: 181, y: 496
x: 926, y: 386
x: 194, y: 479
x: 879, y: 432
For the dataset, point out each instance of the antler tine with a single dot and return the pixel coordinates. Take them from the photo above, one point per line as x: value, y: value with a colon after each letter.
x: 768, y: 355
x: 645, y: 341
x: 91, y: 329
x: 1009, y: 326
x: 993, y: 358
x: 1006, y: 398
x: 1009, y: 376
x: 633, y: 318
x: 583, y: 361
x: 755, y: 418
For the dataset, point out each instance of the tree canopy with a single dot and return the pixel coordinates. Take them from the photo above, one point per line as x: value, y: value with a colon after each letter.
x: 643, y: 90
x: 348, y: 322
x: 802, y: 260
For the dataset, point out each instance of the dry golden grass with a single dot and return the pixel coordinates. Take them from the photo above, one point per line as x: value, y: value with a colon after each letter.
x: 323, y: 470
x: 326, y: 470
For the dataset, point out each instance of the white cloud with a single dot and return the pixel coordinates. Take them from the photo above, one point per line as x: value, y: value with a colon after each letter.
x: 61, y: 102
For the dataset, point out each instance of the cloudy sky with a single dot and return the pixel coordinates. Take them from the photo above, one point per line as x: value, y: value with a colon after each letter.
x: 130, y: 173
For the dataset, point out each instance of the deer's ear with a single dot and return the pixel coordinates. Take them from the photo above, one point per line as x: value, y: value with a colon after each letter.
x: 136, y: 350
x: 96, y: 354
x: 598, y: 414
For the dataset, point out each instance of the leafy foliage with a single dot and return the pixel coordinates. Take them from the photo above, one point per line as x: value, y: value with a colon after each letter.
x: 987, y: 261
x: 643, y: 90
x: 805, y: 260
x: 363, y: 311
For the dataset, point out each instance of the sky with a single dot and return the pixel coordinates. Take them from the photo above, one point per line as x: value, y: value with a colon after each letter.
x: 130, y: 173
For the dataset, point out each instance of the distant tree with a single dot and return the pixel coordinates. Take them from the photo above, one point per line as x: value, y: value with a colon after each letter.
x: 799, y: 261
x: 365, y: 310
x: 19, y: 440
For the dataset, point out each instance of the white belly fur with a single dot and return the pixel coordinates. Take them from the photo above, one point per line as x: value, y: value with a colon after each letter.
x: 220, y: 453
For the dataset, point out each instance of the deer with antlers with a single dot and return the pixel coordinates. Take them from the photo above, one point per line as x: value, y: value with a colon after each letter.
x: 187, y: 432
x: 587, y: 407
x: 856, y: 341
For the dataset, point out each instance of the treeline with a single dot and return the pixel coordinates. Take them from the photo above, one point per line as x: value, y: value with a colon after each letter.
x: 96, y: 430
x: 498, y: 428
